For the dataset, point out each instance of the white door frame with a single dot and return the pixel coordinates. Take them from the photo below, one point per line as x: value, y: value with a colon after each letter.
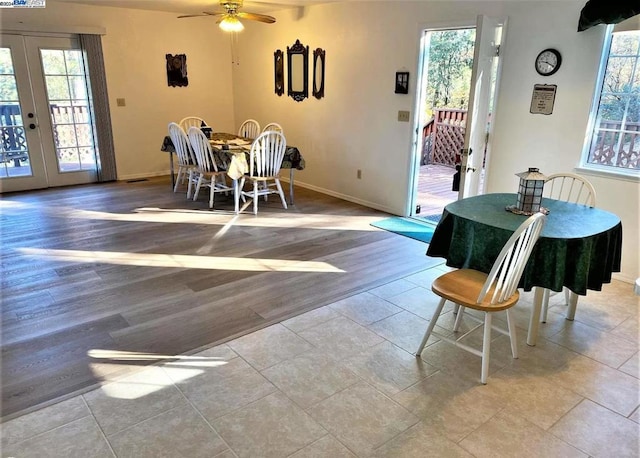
x: 418, y: 99
x: 490, y: 34
x: 33, y: 99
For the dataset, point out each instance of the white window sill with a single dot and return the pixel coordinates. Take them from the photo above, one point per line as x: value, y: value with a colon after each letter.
x: 610, y: 172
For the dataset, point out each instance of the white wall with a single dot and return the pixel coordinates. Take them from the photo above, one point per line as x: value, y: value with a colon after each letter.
x: 135, y: 46
x: 355, y: 126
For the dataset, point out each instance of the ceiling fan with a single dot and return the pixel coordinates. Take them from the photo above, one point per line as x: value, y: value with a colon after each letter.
x: 229, y: 20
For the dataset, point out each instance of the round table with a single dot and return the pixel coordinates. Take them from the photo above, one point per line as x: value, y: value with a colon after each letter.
x: 579, y: 246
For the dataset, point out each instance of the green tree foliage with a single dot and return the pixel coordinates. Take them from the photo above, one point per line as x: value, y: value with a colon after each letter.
x: 63, y: 71
x: 621, y: 89
x: 449, y: 69
x: 7, y: 79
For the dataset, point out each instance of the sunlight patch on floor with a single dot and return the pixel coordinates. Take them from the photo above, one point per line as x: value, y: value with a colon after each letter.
x: 150, y: 378
x: 283, y: 219
x: 181, y: 261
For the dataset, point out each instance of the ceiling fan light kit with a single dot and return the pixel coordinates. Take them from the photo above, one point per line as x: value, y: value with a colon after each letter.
x: 231, y: 24
x: 229, y: 20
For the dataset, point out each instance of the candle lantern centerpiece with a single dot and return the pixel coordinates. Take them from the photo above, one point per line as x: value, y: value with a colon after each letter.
x: 530, y: 189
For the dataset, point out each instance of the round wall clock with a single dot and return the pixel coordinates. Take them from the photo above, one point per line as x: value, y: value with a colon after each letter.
x: 548, y: 62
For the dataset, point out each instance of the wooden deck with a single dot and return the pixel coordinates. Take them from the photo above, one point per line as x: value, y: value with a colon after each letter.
x: 434, y: 190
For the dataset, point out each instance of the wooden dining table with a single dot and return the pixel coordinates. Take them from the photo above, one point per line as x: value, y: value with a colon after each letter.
x: 579, y: 247
x: 223, y: 156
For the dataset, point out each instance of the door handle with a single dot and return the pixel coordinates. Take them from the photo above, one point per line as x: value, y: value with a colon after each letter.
x: 471, y: 169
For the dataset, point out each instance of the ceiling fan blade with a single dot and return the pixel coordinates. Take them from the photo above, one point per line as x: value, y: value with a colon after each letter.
x: 203, y: 14
x: 257, y: 17
x: 191, y: 15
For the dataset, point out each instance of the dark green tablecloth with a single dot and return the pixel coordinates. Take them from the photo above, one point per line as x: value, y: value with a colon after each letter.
x: 579, y: 246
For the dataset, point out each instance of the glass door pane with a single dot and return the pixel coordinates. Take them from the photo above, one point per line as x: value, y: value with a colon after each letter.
x: 66, y: 128
x: 69, y: 107
x: 21, y: 155
x: 14, y: 154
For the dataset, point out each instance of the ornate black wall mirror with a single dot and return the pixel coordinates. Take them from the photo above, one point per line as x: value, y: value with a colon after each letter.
x: 318, y: 73
x: 298, y: 69
x: 278, y: 62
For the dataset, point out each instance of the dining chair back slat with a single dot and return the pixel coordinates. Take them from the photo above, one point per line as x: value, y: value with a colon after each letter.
x: 570, y: 187
x: 510, y: 263
x: 184, y: 153
x: 273, y: 126
x: 265, y: 161
x: 249, y: 129
x: 192, y: 121
x: 206, y: 173
x: 267, y: 154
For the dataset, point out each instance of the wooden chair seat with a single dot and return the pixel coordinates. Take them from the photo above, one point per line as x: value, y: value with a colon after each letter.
x: 464, y: 286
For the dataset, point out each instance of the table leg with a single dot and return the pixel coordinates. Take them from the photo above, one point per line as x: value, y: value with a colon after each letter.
x: 173, y: 178
x: 534, y: 319
x: 291, y: 186
x: 573, y: 302
x: 236, y: 196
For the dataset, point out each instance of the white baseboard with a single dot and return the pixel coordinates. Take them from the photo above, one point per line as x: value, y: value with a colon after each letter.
x: 346, y: 197
x: 138, y: 176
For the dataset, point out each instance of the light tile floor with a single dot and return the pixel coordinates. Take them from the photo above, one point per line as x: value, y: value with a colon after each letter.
x: 340, y: 381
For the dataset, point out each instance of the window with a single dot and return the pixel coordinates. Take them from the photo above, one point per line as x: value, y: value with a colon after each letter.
x: 614, y: 141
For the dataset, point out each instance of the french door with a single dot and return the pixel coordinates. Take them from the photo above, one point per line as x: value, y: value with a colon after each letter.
x: 485, y: 78
x: 46, y: 125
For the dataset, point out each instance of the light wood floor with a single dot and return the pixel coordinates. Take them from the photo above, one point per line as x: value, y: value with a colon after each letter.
x: 133, y: 267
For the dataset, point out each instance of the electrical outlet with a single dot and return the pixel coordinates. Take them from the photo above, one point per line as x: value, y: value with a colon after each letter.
x: 120, y: 102
x: 359, y: 174
x: 403, y: 116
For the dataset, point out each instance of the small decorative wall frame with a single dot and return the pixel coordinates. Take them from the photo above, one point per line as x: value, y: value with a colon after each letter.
x: 318, y: 73
x: 278, y: 63
x: 177, y: 70
x: 298, y: 71
x: 402, y: 82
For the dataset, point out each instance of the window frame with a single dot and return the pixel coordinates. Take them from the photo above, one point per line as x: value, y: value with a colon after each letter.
x: 598, y: 169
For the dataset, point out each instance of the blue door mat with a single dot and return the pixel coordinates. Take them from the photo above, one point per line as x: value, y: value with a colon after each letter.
x: 413, y: 229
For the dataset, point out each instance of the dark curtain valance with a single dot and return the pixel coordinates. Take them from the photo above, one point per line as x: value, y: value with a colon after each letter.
x: 607, y: 12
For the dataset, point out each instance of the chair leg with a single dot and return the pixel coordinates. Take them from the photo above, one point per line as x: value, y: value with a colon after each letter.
x: 189, y: 185
x: 212, y: 194
x: 255, y: 197
x: 545, y: 305
x: 432, y: 324
x: 573, y: 303
x: 240, y: 188
x: 195, y: 194
x: 567, y: 296
x: 486, y: 348
x: 284, y: 201
x: 512, y: 334
x: 458, y: 321
x: 181, y: 173
x: 456, y: 307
